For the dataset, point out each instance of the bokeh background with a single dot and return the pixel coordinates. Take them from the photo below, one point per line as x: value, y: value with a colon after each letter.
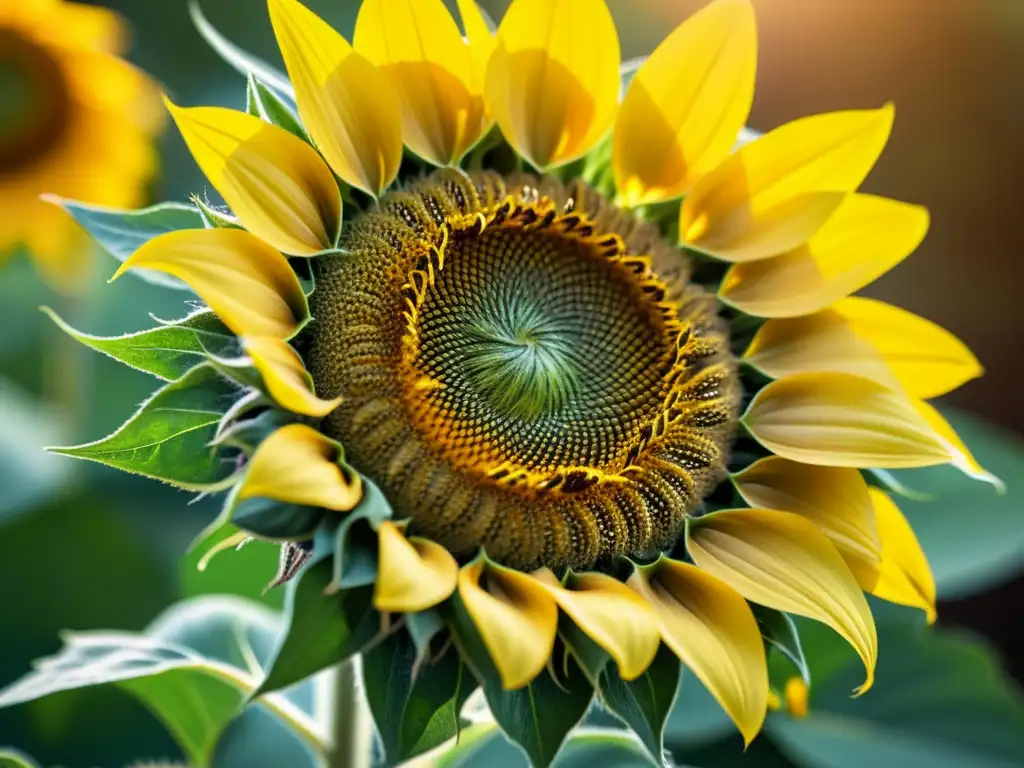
x: 82, y: 547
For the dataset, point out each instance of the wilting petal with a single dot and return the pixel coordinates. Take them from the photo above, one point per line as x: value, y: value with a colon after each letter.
x: 247, y: 283
x: 275, y: 183
x: 770, y: 183
x: 553, y: 78
x: 347, y: 105
x: 412, y: 574
x: 865, y: 238
x: 516, y: 616
x: 299, y: 465
x: 481, y: 44
x: 961, y: 456
x: 612, y: 615
x: 686, y: 104
x: 785, y: 562
x: 286, y: 377
x: 712, y: 630
x: 905, y: 576
x: 928, y: 360
x: 842, y: 420
x: 833, y: 498
x: 417, y: 45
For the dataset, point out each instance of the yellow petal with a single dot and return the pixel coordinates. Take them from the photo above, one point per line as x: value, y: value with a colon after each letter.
x: 686, y: 104
x: 833, y: 498
x: 417, y: 45
x: 796, y: 697
x: 275, y: 183
x: 927, y: 359
x: 785, y: 562
x: 412, y: 574
x: 516, y: 616
x: 286, y: 377
x: 905, y: 577
x: 865, y: 238
x: 764, y: 180
x: 299, y: 465
x: 842, y: 420
x: 961, y: 456
x: 481, y: 44
x: 347, y: 105
x: 713, y: 632
x: 553, y: 78
x: 247, y: 283
x: 612, y: 615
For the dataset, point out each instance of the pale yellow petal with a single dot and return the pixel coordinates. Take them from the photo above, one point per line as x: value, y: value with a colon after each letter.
x: 785, y: 562
x: 927, y: 359
x: 833, y: 498
x: 713, y: 632
x: 348, y: 106
x: 286, y: 377
x: 905, y: 577
x: 417, y: 45
x: 553, y: 78
x: 297, y: 464
x: 961, y: 456
x: 248, y: 284
x: 865, y: 238
x: 481, y: 44
x: 686, y: 104
x: 516, y: 617
x: 412, y: 574
x: 275, y: 183
x: 764, y: 180
x: 613, y: 616
x: 842, y: 420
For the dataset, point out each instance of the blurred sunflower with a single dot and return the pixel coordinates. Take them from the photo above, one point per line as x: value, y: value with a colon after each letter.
x: 76, y: 121
x: 601, y: 365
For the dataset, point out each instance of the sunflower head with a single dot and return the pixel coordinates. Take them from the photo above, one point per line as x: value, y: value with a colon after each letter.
x: 568, y: 393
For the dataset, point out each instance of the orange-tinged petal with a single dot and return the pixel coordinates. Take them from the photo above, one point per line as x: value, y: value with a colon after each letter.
x: 417, y: 45
x: 686, y: 104
x: 481, y: 44
x: 516, y: 617
x: 299, y: 465
x: 796, y: 694
x: 842, y: 420
x: 833, y: 498
x: 412, y: 574
x: 927, y: 359
x: 773, y: 180
x: 961, y: 456
x: 785, y: 562
x: 247, y: 283
x: 553, y: 78
x: 905, y: 576
x: 865, y: 238
x: 348, y: 106
x: 710, y: 627
x: 612, y: 615
x: 286, y: 377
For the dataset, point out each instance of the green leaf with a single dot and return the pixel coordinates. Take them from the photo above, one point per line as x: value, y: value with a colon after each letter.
x: 780, y: 633
x: 323, y: 629
x: 355, y: 542
x: 276, y: 520
x: 644, y: 704
x: 939, y: 700
x: 697, y: 718
x: 168, y: 437
x: 423, y: 627
x: 121, y: 232
x: 168, y: 351
x: 264, y: 103
x: 9, y: 758
x: 591, y: 657
x: 484, y: 745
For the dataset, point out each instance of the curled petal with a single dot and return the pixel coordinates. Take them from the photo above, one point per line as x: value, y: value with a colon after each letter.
x: 299, y: 465
x: 275, y: 183
x: 286, y: 377
x: 905, y: 576
x: 412, y: 574
x: 247, y: 283
x: 785, y: 562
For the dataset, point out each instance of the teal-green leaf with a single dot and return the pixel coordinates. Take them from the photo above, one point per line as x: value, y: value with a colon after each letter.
x: 484, y: 745
x: 276, y: 520
x: 780, y: 633
x: 591, y: 657
x: 263, y: 102
x: 355, y: 554
x: 423, y: 627
x: 644, y: 704
x: 167, y: 351
x: 122, y: 232
x: 323, y: 629
x: 10, y: 758
x: 168, y: 437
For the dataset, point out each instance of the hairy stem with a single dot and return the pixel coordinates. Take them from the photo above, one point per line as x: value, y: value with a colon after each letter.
x: 349, y: 720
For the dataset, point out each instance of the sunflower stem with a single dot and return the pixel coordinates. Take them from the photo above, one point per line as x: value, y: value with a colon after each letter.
x: 348, y: 719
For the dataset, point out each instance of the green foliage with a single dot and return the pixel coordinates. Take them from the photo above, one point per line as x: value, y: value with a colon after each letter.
x: 780, y: 633
x: 244, y: 572
x: 353, y: 541
x: 262, y: 102
x: 276, y: 520
x: 11, y: 759
x: 168, y: 437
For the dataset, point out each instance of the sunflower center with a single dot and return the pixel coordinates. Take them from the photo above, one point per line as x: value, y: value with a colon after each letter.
x: 523, y: 367
x: 34, y: 101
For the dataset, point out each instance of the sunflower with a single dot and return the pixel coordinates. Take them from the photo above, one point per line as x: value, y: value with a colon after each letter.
x: 557, y: 359
x: 76, y: 121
